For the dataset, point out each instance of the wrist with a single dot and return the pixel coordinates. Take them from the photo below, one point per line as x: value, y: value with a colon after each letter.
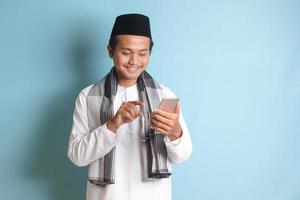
x: 112, y: 125
x: 175, y: 136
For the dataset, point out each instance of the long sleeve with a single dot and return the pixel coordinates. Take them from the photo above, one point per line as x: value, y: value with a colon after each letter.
x: 180, y: 149
x: 86, y: 146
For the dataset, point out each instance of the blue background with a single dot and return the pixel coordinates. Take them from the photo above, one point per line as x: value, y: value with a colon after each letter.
x: 234, y: 64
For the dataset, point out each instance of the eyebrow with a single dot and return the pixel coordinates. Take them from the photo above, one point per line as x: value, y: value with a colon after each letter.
x: 132, y: 50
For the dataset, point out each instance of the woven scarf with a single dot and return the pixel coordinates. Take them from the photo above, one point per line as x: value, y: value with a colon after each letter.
x: 101, y: 109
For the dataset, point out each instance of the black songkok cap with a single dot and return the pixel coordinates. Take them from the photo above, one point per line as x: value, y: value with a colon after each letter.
x: 131, y: 24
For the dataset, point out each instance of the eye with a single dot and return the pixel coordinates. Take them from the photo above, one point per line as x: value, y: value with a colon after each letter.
x: 143, y: 53
x: 125, y: 53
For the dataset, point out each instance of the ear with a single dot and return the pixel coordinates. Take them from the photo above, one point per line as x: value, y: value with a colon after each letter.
x: 110, y: 51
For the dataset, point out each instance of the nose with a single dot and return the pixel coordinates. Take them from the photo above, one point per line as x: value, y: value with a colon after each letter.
x: 133, y: 59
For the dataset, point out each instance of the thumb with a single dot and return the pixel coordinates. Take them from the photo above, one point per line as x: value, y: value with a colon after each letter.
x: 177, y: 110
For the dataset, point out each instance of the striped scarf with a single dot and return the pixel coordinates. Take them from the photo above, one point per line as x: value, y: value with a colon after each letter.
x: 100, y: 110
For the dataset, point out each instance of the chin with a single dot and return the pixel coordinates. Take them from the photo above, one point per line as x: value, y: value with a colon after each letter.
x: 133, y: 73
x: 132, y: 76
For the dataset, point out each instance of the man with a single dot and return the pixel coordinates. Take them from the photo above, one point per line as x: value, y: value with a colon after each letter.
x: 117, y: 129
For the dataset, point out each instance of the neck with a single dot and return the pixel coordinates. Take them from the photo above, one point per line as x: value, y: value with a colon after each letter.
x: 127, y: 83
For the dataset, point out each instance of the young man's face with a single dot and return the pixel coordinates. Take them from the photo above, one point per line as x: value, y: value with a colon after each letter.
x: 130, y: 58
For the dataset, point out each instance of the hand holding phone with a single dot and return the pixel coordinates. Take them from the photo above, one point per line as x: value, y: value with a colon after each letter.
x: 165, y: 119
x: 169, y: 104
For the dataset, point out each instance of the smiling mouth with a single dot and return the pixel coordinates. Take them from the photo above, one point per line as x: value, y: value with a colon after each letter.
x: 132, y: 69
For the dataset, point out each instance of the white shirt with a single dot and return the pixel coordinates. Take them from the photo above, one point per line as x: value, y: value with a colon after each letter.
x: 85, y: 147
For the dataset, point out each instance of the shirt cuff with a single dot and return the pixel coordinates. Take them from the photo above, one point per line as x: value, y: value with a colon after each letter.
x: 109, y: 135
x: 174, y: 142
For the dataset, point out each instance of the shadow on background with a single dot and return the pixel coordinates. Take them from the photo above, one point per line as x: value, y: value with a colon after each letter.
x: 48, y: 163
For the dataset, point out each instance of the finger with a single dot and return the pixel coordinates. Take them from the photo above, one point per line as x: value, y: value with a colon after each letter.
x: 157, y: 124
x: 164, y: 114
x: 177, y: 110
x: 162, y: 119
x: 136, y: 103
x: 132, y: 110
x: 128, y: 117
x: 136, y: 110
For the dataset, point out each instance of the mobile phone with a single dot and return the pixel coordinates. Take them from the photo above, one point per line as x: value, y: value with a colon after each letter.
x: 169, y: 104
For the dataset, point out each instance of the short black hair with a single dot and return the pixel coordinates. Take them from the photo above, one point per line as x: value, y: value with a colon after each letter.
x: 114, y: 41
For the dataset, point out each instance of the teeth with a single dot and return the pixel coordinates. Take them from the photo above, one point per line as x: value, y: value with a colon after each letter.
x: 132, y: 68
